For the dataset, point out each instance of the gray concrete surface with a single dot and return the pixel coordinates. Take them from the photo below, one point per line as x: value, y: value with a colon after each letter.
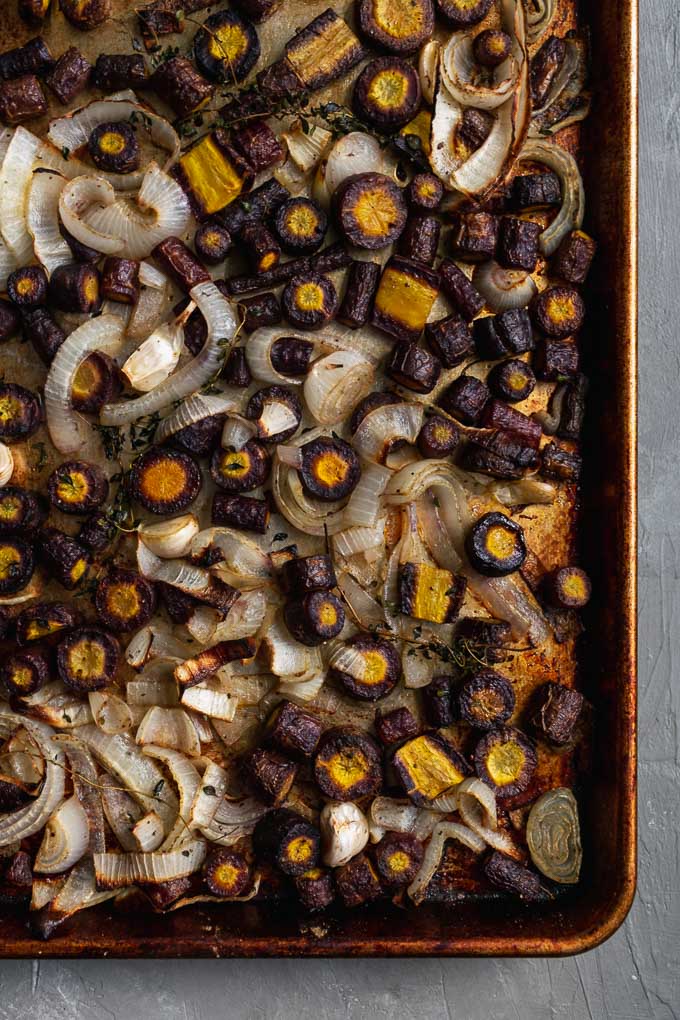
x: 636, y: 975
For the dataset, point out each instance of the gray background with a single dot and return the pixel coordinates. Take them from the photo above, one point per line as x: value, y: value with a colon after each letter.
x: 636, y: 974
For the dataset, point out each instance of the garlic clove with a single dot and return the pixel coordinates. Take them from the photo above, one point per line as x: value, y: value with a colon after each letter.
x: 344, y: 832
x: 170, y: 539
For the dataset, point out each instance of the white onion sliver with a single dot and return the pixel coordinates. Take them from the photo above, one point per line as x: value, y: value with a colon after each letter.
x: 446, y: 830
x: 117, y: 870
x: 335, y: 384
x: 76, y: 199
x: 65, y: 838
x: 42, y: 218
x: 194, y: 409
x: 15, y: 177
x: 221, y: 322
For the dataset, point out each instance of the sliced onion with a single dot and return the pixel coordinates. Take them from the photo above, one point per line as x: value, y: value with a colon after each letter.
x: 169, y: 727
x: 57, y: 707
x: 177, y: 573
x: 304, y: 691
x: 355, y: 153
x: 172, y: 538
x: 433, y: 855
x: 65, y: 839
x: 70, y: 433
x: 335, y: 384
x: 233, y: 820
x: 363, y: 607
x: 122, y: 812
x: 353, y: 541
x: 73, y: 131
x: 187, y: 780
x: 78, y: 892
x: 194, y: 409
x: 145, y: 781
x: 219, y: 316
x: 248, y: 689
x: 42, y: 218
x: 549, y: 419
x: 154, y: 643
x: 146, y: 693
x: 311, y: 516
x: 209, y: 791
x: 24, y: 762
x: 148, y: 832
x: 258, y: 354
x: 210, y: 700
x: 242, y: 559
x: 31, y: 818
x: 155, y: 359
x: 509, y: 599
x: 363, y: 508
x: 75, y: 199
x: 486, y: 166
x: 307, y: 148
x: 460, y: 75
x: 525, y: 492
x: 503, y: 288
x: 15, y: 177
x: 428, y: 67
x: 151, y: 276
x: 237, y: 432
x: 283, y: 655
x: 86, y: 788
x: 540, y: 15
x: 276, y: 417
x: 116, y: 870
x: 570, y: 216
x: 245, y: 618
x: 6, y: 464
x: 386, y: 425
x: 110, y: 712
x: 161, y: 210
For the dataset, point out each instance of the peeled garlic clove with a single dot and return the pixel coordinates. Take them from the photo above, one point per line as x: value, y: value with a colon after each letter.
x: 344, y: 831
x: 155, y: 359
x: 6, y: 464
x: 170, y: 539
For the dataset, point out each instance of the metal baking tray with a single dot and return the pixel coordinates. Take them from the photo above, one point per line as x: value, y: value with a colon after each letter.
x: 467, y: 925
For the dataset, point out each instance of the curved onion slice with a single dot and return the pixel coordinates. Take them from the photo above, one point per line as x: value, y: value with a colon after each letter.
x: 32, y: 817
x: 525, y: 492
x: 385, y: 426
x: 219, y: 316
x: 355, y: 153
x: 148, y: 832
x: 120, y: 756
x: 245, y: 617
x: 177, y: 573
x: 70, y: 433
x: 553, y: 835
x: 428, y: 66
x: 353, y: 541
x: 305, y: 691
x: 364, y: 608
x: 169, y: 727
x: 540, y: 16
x: 75, y: 199
x: 570, y: 216
x: 460, y: 73
x: 155, y: 359
x: 211, y: 789
x: 364, y: 507
x: 237, y: 432
x: 110, y: 712
x: 335, y: 384
x: 121, y: 810
x: 307, y: 148
x: 42, y: 218
x: 283, y: 655
x: 233, y: 820
x: 6, y: 464
x: 161, y: 210
x: 503, y: 288
x: 209, y: 700
x: 65, y: 838
x: 187, y: 780
x: 258, y: 354
x: 72, y: 132
x: 446, y: 830
x: 242, y: 558
x: 116, y: 870
x: 86, y: 788
x: 195, y: 409
x: 487, y: 165
x: 477, y: 809
x: 15, y: 176
x: 172, y: 538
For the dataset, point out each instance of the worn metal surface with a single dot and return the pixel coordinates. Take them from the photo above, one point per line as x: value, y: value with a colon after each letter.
x: 637, y: 973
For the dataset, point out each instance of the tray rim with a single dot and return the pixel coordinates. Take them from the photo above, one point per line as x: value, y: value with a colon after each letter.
x: 449, y: 945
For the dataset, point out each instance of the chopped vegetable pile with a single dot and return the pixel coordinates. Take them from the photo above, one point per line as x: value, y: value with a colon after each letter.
x: 290, y: 374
